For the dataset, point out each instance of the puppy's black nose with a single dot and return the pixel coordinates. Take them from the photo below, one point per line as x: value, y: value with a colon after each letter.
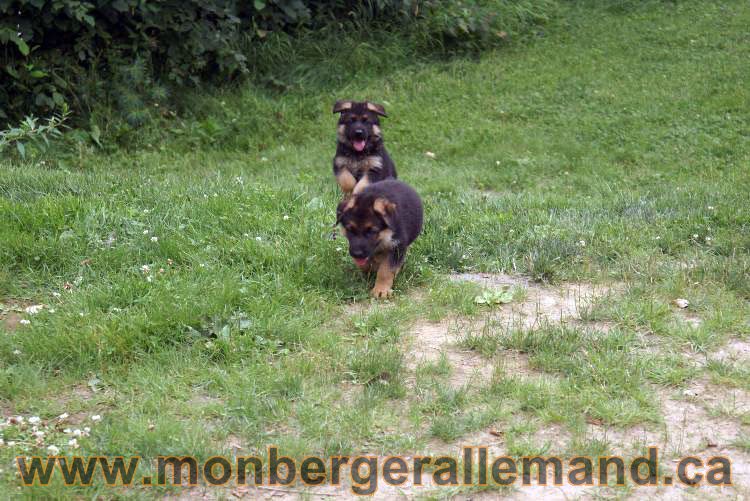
x: 357, y: 253
x: 359, y: 133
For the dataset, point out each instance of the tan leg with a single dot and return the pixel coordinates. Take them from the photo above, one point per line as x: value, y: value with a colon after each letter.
x: 346, y: 181
x: 384, y: 280
x: 361, y: 185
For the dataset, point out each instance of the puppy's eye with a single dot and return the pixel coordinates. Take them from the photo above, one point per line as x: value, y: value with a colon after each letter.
x: 364, y: 118
x: 372, y: 231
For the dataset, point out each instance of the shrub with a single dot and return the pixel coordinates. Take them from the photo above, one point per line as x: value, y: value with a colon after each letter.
x: 127, y: 52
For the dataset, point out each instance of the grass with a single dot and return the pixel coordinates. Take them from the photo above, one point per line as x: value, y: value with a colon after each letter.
x: 199, y: 300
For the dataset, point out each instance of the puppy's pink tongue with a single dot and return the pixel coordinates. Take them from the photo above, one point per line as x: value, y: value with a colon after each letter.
x: 360, y: 261
x: 359, y: 145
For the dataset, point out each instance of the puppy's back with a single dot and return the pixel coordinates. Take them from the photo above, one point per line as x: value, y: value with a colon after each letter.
x: 408, y: 214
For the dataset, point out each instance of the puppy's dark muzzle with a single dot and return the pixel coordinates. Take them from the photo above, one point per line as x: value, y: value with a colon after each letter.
x: 359, y: 134
x: 358, y: 253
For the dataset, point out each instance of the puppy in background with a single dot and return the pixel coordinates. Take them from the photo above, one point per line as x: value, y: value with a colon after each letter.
x: 361, y: 158
x: 380, y: 222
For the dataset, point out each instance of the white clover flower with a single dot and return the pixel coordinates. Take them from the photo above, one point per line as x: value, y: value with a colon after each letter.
x: 258, y: 238
x: 286, y: 217
x: 56, y: 294
x: 711, y: 207
x: 67, y: 431
x: 695, y: 235
x: 73, y: 442
x: 24, y: 321
x: 35, y: 420
x: 51, y: 310
x: 11, y: 443
x: 16, y: 352
x: 149, y: 278
x: 86, y: 429
x: 582, y: 243
x: 145, y: 268
x: 338, y: 249
x: 53, y: 450
x: 62, y: 416
x: 77, y: 432
x: 96, y: 417
x: 154, y: 239
x: 145, y: 232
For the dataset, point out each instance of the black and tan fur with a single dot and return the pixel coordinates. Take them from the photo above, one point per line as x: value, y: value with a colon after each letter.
x: 380, y: 222
x: 361, y: 158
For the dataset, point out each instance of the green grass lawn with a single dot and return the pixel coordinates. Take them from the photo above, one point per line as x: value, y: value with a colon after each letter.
x: 196, y: 301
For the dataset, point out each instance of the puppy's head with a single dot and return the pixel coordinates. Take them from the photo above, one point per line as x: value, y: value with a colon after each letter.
x: 367, y: 223
x: 359, y: 124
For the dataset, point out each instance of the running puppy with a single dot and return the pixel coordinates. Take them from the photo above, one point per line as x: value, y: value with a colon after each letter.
x: 380, y: 223
x: 360, y: 158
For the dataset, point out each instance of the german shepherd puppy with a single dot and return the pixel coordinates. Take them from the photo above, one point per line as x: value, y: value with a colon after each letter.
x: 380, y: 222
x: 360, y: 157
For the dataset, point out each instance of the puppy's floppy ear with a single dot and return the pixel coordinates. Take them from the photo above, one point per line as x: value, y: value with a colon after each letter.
x: 376, y: 108
x: 344, y: 206
x: 385, y: 208
x: 342, y: 105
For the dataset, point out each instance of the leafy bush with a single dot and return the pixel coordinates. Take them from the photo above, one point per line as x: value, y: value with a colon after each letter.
x: 52, y: 47
x: 127, y: 53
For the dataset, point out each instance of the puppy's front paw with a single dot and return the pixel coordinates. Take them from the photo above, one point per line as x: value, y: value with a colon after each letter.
x: 381, y: 292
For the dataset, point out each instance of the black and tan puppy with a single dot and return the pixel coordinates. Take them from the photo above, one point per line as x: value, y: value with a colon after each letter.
x: 380, y: 222
x: 360, y: 158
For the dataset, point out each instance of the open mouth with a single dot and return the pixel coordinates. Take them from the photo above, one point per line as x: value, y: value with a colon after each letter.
x: 360, y: 261
x: 359, y: 144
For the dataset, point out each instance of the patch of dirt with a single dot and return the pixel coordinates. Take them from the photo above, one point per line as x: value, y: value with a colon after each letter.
x: 78, y: 392
x: 10, y: 321
x: 11, y: 314
x: 688, y: 317
x: 693, y: 419
x: 734, y: 350
x: 203, y: 400
x: 542, y: 304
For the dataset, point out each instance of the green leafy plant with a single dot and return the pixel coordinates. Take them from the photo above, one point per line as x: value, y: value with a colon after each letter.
x: 495, y: 296
x: 33, y: 131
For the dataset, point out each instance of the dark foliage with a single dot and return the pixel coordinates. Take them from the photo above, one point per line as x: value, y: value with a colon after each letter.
x: 126, y: 53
